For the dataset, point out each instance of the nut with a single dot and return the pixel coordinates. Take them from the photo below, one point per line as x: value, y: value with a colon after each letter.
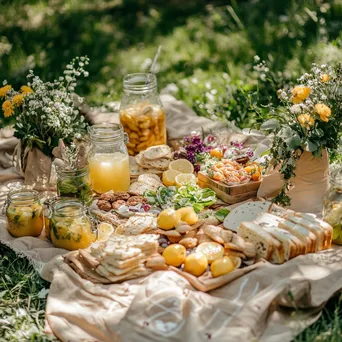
x: 104, y: 205
x: 117, y: 204
x: 121, y: 195
x: 134, y: 200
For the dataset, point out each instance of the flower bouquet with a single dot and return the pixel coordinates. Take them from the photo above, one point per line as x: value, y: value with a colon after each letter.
x: 43, y: 112
x: 305, y: 129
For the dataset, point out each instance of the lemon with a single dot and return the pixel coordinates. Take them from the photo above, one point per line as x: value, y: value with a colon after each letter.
x: 174, y: 254
x: 222, y: 266
x: 169, y: 177
x: 188, y: 215
x: 104, y: 231
x: 168, y: 219
x: 196, y: 264
x: 212, y: 250
x: 181, y: 165
x: 184, y: 178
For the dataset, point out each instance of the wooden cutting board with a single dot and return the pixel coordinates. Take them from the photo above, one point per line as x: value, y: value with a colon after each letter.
x: 229, y: 193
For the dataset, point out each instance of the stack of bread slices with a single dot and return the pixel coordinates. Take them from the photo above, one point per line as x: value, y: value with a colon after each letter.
x: 281, y: 234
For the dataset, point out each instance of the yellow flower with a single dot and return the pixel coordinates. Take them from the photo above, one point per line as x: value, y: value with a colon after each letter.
x: 300, y: 93
x: 323, y: 111
x: 325, y: 78
x: 8, y: 108
x: 4, y: 90
x: 18, y: 99
x: 26, y: 89
x: 306, y: 120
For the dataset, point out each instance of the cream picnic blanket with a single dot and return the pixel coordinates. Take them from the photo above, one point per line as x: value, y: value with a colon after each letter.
x: 272, y: 303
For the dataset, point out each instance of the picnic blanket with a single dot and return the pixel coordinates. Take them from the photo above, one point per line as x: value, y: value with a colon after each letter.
x: 272, y: 303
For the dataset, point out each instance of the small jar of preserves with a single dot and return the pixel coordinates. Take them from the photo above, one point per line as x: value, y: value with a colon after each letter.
x: 70, y: 226
x: 141, y: 112
x: 24, y: 213
x: 332, y: 210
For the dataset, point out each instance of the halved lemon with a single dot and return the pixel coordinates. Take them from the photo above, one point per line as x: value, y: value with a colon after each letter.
x: 212, y: 250
x: 169, y: 177
x: 104, y: 231
x: 185, y: 178
x: 181, y: 165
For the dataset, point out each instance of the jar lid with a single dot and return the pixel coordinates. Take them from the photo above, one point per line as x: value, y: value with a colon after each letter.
x: 336, y: 177
x: 106, y: 133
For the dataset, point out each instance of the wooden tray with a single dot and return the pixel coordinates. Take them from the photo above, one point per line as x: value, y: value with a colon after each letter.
x: 229, y: 193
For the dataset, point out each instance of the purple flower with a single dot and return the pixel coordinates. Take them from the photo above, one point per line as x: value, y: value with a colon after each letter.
x: 250, y: 153
x: 237, y: 144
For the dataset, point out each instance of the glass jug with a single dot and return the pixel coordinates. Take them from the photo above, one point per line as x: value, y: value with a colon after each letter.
x: 108, y: 158
x: 141, y: 112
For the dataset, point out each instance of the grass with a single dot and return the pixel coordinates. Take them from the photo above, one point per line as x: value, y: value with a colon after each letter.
x: 23, y: 299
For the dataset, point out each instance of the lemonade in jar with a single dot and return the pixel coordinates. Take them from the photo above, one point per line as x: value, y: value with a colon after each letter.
x: 24, y: 213
x: 108, y: 159
x: 141, y: 112
x: 70, y: 226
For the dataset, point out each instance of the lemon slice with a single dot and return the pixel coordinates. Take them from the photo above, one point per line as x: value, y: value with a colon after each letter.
x: 169, y: 177
x: 185, y: 178
x: 181, y: 165
x: 212, y: 250
x: 104, y: 231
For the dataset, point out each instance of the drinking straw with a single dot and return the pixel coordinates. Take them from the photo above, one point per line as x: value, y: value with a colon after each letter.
x: 155, y: 60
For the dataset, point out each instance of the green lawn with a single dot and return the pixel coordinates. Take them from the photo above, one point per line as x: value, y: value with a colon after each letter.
x: 208, y: 54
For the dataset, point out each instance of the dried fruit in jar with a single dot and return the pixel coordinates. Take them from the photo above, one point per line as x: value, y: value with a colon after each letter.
x: 145, y: 125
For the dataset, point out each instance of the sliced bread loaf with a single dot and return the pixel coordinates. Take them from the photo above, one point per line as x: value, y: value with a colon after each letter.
x: 290, y: 248
x: 279, y: 211
x: 301, y: 233
x: 313, y: 227
x: 324, y: 225
x: 262, y: 241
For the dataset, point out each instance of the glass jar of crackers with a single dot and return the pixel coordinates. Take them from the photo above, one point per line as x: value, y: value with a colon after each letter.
x: 141, y: 112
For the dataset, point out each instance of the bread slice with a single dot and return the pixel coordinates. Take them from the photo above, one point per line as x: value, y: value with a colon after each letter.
x: 313, y: 227
x: 157, y: 152
x: 304, y: 235
x: 289, y: 247
x: 263, y: 241
x: 279, y: 211
x: 324, y: 225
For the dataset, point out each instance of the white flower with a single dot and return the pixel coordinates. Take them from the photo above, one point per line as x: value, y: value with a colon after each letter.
x: 296, y: 109
x: 256, y: 59
x: 86, y: 74
x: 4, y: 82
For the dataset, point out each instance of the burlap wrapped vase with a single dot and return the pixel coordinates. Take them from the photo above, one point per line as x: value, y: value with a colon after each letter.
x: 308, y: 187
x: 33, y: 165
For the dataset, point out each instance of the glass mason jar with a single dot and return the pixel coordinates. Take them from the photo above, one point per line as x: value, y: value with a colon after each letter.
x: 70, y: 226
x: 141, y: 112
x: 24, y: 213
x: 74, y: 183
x: 332, y: 210
x: 108, y: 158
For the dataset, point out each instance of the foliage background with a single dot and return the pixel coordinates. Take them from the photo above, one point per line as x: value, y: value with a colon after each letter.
x: 208, y: 46
x: 208, y: 57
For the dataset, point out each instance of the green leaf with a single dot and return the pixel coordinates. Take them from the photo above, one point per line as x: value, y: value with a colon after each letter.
x: 265, y: 153
x: 270, y: 125
x: 312, y: 147
x: 221, y: 214
x: 294, y: 142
